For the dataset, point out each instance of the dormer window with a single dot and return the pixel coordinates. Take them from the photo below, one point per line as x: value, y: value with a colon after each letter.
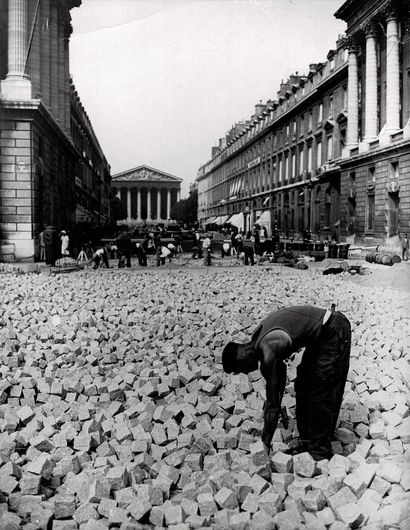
x: 332, y: 64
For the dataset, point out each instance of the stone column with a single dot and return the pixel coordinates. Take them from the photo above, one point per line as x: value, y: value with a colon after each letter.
x: 118, y: 194
x: 178, y: 195
x: 159, y: 204
x: 371, y: 128
x: 17, y: 85
x: 148, y: 205
x: 353, y: 99
x: 53, y: 28
x: 45, y: 52
x: 139, y: 205
x: 392, y: 75
x: 168, y: 204
x: 128, y: 203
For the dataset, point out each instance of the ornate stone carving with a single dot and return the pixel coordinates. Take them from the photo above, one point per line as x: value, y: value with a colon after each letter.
x: 145, y: 174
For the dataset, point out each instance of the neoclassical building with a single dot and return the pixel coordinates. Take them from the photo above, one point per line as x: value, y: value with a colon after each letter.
x: 331, y: 152
x: 148, y: 194
x: 53, y: 170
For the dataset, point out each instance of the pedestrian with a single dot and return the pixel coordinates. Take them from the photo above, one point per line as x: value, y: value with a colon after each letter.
x: 65, y: 241
x: 173, y: 250
x: 248, y: 255
x: 42, y: 246
x: 239, y: 242
x: 226, y: 250
x: 264, y: 232
x: 100, y: 255
x: 321, y: 374
x: 234, y: 243
x: 141, y: 255
x: 405, y: 247
x: 124, y: 249
x: 163, y: 253
x: 206, y: 249
x: 177, y: 240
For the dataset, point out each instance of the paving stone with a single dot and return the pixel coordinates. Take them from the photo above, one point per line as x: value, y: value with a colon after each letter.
x: 304, y: 465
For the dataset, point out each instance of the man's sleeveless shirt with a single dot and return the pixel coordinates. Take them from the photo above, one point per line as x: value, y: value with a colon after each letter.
x: 302, y: 323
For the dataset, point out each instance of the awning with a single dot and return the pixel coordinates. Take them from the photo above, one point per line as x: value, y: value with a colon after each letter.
x: 221, y: 220
x: 264, y: 218
x: 210, y: 221
x: 237, y: 220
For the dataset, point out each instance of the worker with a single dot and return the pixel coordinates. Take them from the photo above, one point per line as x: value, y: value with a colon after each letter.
x: 321, y: 374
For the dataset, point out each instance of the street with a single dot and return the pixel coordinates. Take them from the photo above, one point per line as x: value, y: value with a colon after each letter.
x: 115, y: 409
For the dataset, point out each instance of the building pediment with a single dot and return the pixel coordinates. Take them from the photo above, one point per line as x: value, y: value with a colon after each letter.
x: 145, y: 174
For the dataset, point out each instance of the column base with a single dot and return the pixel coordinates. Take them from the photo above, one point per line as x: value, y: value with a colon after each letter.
x: 364, y: 146
x: 384, y: 135
x: 16, y: 89
x: 15, y: 250
x: 346, y: 150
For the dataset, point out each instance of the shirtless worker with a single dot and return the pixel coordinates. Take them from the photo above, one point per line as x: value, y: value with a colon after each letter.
x: 321, y: 374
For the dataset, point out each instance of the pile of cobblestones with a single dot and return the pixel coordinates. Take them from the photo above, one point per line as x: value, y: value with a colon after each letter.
x: 115, y: 411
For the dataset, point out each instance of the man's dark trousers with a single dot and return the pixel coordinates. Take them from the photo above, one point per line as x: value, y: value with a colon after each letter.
x: 319, y: 385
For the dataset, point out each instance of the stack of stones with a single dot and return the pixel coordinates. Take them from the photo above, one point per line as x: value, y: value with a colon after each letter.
x: 115, y: 411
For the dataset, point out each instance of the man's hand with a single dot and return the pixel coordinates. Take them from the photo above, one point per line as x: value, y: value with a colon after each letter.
x: 266, y: 448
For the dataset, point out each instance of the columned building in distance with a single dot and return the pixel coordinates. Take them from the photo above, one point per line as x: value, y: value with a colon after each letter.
x: 53, y: 170
x: 331, y: 153
x: 148, y: 194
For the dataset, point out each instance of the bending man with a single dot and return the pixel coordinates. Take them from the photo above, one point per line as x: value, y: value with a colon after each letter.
x: 321, y: 375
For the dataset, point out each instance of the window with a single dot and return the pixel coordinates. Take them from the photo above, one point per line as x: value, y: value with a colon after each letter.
x: 310, y: 158
x: 293, y: 165
x: 394, y: 170
x: 330, y: 147
x: 370, y: 212
x: 344, y: 97
x: 331, y: 106
x: 320, y: 114
x: 287, y: 129
x: 286, y: 167
x: 310, y: 120
x: 301, y: 124
x: 301, y: 153
x: 371, y: 176
x: 280, y: 170
x: 319, y: 154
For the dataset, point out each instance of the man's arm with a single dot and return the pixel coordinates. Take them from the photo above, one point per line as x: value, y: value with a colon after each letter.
x: 274, y: 371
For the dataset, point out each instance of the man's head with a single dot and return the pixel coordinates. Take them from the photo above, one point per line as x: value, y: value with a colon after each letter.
x: 239, y: 358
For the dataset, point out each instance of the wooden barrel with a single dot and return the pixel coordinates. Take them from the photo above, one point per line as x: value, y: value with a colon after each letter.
x: 386, y: 259
x: 395, y: 259
x: 343, y: 252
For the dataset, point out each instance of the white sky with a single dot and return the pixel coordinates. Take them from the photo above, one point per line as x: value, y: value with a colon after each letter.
x: 162, y: 80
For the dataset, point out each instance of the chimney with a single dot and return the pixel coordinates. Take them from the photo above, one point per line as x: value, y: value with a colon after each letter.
x: 259, y: 108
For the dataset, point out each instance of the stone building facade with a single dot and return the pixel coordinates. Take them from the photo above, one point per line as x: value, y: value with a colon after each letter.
x: 53, y: 170
x: 148, y: 194
x: 331, y: 153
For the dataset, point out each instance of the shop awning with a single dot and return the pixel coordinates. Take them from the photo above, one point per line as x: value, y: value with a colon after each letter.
x: 210, y: 221
x: 264, y: 218
x: 221, y: 220
x: 237, y: 220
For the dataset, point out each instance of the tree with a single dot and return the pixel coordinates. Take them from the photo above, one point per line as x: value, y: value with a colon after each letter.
x: 186, y: 210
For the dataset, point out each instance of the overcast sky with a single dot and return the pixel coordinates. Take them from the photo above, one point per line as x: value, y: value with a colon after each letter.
x: 162, y: 80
